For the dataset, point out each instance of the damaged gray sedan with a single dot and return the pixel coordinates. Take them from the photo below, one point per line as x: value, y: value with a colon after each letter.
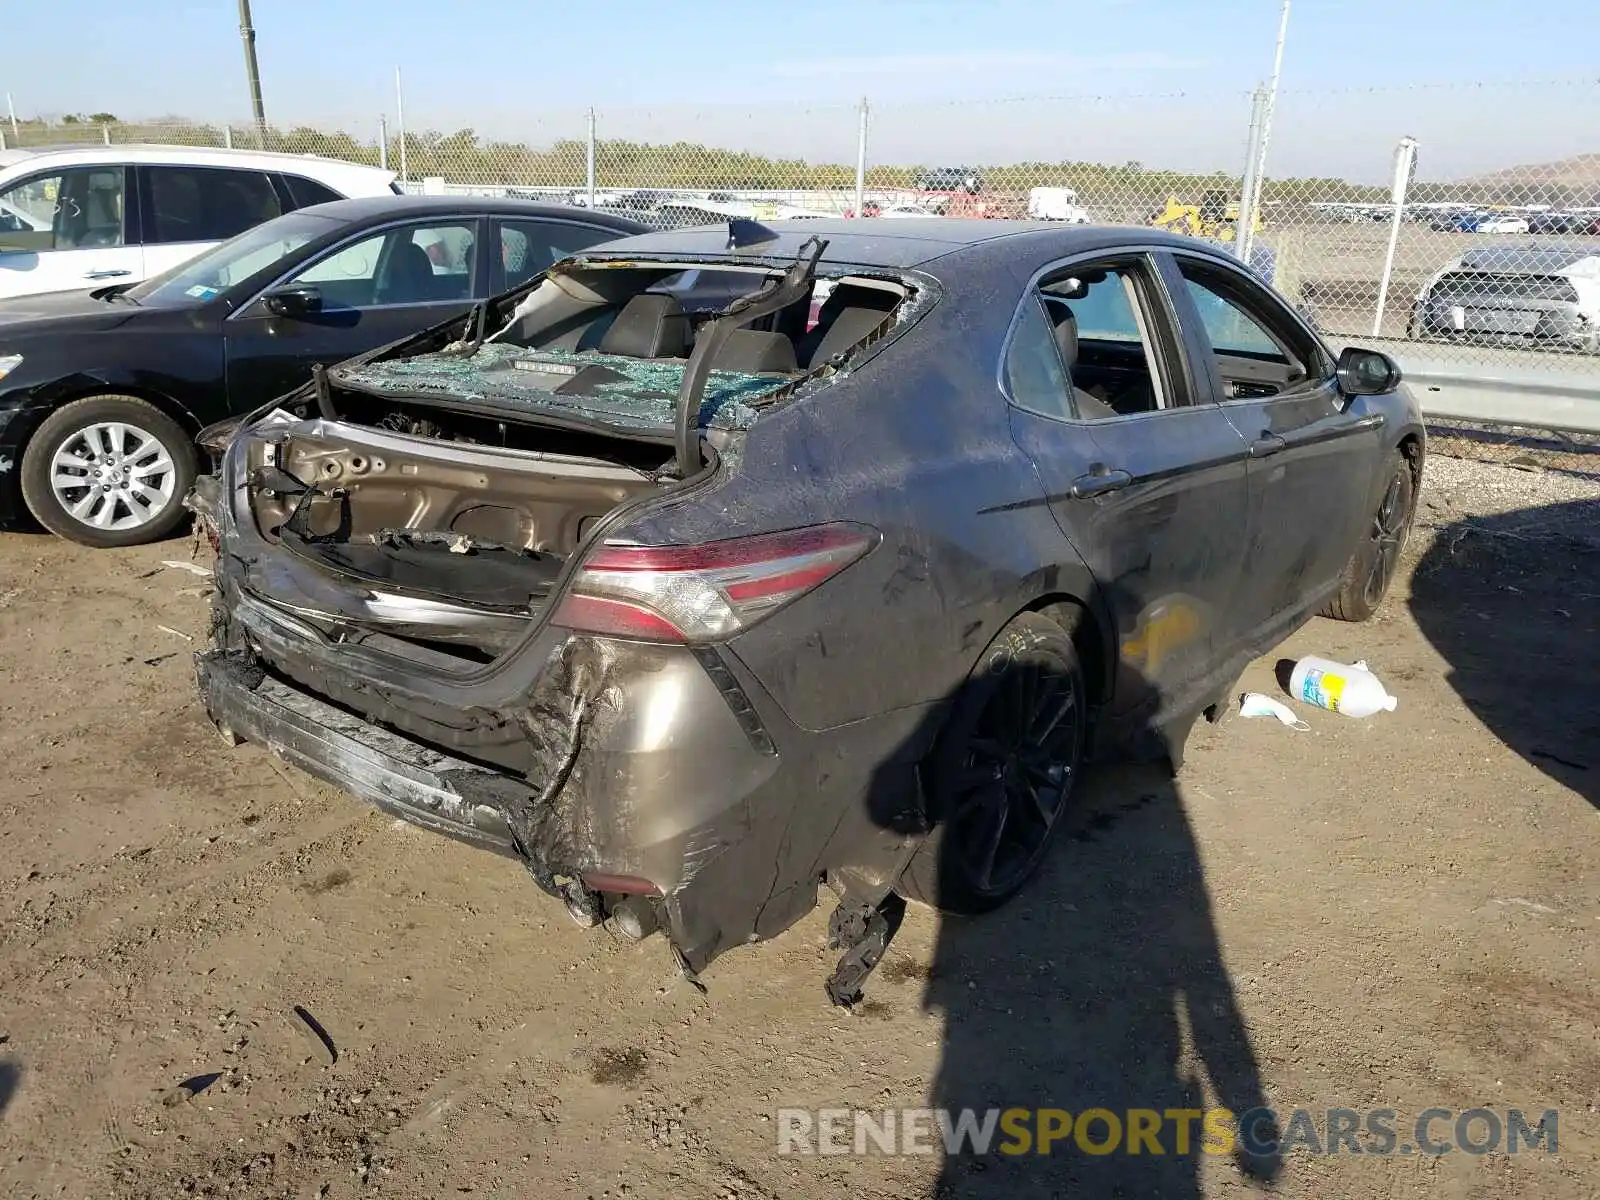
x: 720, y: 565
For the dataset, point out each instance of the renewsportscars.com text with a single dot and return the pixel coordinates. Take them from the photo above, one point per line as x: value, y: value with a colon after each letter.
x: 1178, y: 1131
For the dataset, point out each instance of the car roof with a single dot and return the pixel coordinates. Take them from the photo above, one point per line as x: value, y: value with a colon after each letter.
x: 873, y: 242
x: 1534, y: 258
x: 331, y: 171
x: 362, y: 208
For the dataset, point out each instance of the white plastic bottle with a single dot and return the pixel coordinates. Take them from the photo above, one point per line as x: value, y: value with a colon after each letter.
x: 1351, y: 690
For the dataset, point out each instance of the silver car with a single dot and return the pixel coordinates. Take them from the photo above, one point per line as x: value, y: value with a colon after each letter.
x: 1536, y: 296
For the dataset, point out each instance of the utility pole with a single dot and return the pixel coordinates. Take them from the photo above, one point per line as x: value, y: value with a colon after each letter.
x: 253, y: 73
x: 12, y: 110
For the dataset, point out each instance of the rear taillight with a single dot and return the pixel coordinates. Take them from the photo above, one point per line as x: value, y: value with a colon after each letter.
x: 704, y: 592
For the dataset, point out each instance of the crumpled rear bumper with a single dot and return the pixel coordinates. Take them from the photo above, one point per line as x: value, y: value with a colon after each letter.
x: 440, y: 793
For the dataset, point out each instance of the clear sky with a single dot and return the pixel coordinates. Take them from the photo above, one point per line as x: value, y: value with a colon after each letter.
x: 942, y: 75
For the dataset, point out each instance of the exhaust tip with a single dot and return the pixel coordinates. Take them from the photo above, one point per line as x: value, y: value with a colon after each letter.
x: 635, y: 918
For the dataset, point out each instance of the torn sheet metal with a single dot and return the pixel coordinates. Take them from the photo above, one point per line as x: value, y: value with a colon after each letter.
x: 611, y: 388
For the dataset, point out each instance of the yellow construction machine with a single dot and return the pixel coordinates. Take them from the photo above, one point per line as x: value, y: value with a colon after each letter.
x: 1215, y: 218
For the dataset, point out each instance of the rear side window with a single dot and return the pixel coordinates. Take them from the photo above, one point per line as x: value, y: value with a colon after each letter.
x: 1084, y: 347
x: 306, y: 192
x: 205, y: 204
x: 1035, y: 377
x: 529, y: 247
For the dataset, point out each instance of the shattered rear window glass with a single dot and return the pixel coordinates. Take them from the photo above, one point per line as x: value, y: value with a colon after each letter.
x: 615, y: 389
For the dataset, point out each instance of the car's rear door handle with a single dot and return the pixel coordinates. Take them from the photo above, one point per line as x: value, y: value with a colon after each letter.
x: 1267, y: 444
x: 111, y: 274
x: 1098, y: 483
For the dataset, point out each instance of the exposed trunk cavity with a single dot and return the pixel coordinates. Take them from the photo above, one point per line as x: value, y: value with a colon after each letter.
x: 421, y: 535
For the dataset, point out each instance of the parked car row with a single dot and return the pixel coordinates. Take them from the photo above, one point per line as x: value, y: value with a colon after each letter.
x: 1467, y: 218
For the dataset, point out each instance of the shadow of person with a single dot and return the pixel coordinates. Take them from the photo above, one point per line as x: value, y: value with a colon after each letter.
x: 1512, y: 603
x: 1098, y: 989
x: 10, y: 1081
x: 1101, y: 986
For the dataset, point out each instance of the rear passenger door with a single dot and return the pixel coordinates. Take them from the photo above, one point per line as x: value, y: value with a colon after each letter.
x: 1311, y: 457
x: 1145, y: 476
x: 187, y: 210
x: 375, y: 288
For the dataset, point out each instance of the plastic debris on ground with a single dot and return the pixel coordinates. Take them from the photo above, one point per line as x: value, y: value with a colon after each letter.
x: 1254, y: 704
x: 1350, y: 689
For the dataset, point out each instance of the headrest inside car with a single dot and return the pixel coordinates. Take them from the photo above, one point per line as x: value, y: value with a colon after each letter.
x: 757, y: 352
x: 649, y: 326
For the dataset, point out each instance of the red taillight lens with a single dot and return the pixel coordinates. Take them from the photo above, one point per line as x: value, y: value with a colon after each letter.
x: 704, y: 592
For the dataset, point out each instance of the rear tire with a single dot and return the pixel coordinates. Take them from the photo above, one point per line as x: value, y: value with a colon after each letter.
x: 1376, y: 558
x: 135, y: 464
x: 1003, y: 771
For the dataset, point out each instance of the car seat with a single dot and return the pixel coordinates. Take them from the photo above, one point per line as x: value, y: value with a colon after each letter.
x: 1090, y: 408
x: 409, y: 278
x: 757, y: 352
x: 848, y: 316
x: 649, y: 326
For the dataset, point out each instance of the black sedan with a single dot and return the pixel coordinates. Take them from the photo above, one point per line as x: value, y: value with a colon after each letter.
x: 102, y: 392
x: 691, y: 609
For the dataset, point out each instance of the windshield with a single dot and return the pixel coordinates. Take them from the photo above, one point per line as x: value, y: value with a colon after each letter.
x: 254, y: 250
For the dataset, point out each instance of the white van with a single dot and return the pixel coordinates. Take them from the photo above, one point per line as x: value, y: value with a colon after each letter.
x: 1056, y: 204
x: 87, y: 216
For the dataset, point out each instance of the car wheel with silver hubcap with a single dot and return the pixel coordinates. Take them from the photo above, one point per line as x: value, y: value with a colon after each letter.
x: 108, y: 471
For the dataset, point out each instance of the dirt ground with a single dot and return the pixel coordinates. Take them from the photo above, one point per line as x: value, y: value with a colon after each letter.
x: 1401, y: 912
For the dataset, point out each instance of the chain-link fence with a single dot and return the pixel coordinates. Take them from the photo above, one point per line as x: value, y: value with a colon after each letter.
x: 1491, y: 257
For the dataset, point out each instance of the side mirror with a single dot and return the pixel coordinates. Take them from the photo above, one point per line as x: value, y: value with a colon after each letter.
x: 295, y: 301
x: 1367, y: 372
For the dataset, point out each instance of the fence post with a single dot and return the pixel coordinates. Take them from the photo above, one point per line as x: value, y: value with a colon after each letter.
x: 1288, y: 265
x: 227, y: 136
x: 588, y: 165
x: 1405, y: 165
x: 1269, y: 108
x: 861, y: 161
x: 105, y: 134
x: 1244, y: 234
x: 383, y: 141
x: 400, y: 122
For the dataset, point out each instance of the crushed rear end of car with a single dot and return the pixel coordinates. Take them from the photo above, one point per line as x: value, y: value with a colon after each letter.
x: 427, y: 594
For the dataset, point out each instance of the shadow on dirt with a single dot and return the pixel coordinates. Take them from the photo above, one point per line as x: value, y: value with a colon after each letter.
x: 10, y: 1081
x: 1100, y: 986
x: 1512, y: 602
